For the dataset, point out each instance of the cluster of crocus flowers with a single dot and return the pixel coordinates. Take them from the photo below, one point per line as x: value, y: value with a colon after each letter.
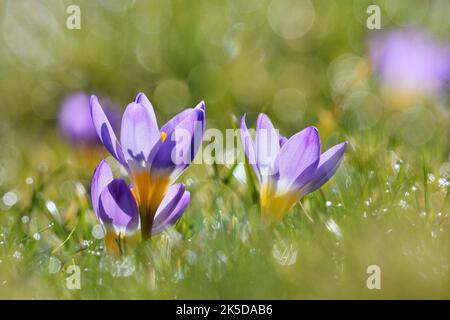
x: 287, y: 169
x: 410, y: 64
x: 154, y: 158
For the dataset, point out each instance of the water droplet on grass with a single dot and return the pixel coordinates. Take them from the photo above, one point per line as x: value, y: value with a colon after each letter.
x: 25, y: 219
x: 37, y: 236
x: 18, y: 255
x: 98, y: 231
x: 334, y: 228
x: 285, y: 254
x: 10, y: 198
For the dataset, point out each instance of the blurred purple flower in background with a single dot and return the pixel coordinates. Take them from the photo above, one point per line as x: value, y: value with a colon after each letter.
x: 75, y: 121
x: 410, y: 64
x: 287, y: 169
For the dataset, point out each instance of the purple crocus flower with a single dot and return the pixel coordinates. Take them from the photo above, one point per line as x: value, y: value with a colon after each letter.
x: 153, y: 158
x: 287, y: 169
x: 75, y: 121
x: 410, y: 63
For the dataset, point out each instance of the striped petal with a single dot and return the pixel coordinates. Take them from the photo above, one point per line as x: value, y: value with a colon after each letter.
x: 328, y: 164
x: 171, y: 208
x: 139, y: 132
x: 118, y: 208
x: 102, y: 177
x: 298, y: 159
x: 267, y: 145
x: 104, y: 130
x: 248, y: 146
x: 182, y: 141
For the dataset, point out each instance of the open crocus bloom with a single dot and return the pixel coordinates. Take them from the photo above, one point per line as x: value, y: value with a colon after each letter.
x: 287, y: 169
x: 153, y: 158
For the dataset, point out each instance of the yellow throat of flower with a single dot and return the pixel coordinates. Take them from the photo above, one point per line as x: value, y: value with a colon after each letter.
x: 275, y: 206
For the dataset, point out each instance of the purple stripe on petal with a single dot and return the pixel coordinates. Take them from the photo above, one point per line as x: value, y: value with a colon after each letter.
x: 168, y: 204
x: 175, y: 214
x: 248, y: 146
x: 282, y: 140
x: 139, y: 132
x: 267, y: 145
x: 172, y: 123
x: 142, y: 99
x: 328, y: 164
x: 298, y: 159
x: 179, y: 148
x: 101, y: 178
x: 118, y: 208
x: 105, y: 131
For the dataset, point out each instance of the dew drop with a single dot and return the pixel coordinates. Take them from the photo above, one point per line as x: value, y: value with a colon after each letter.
x: 98, y: 231
x: 285, y: 254
x: 10, y: 198
x: 334, y: 228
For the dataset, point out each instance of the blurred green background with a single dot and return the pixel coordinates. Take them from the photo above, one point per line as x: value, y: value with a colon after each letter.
x: 303, y: 63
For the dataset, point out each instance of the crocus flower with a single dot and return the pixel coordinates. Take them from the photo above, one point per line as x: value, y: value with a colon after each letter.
x: 287, y: 169
x: 410, y: 64
x: 153, y: 159
x: 75, y: 122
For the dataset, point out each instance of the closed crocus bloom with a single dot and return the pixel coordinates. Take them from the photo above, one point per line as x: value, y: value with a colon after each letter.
x: 75, y: 121
x: 153, y: 158
x: 410, y: 64
x: 287, y: 169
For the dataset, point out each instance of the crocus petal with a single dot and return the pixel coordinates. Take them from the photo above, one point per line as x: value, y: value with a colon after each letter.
x: 139, y: 132
x: 328, y: 164
x: 249, y: 148
x: 298, y: 159
x: 104, y: 130
x: 282, y: 140
x: 172, y: 207
x: 142, y: 99
x: 102, y: 177
x: 187, y: 113
x: 179, y: 147
x: 267, y: 145
x: 118, y: 208
x: 168, y: 204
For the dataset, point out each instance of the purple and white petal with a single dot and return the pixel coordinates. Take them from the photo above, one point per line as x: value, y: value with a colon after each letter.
x: 178, y: 149
x: 328, y: 164
x: 102, y: 177
x: 298, y: 159
x: 168, y: 204
x: 171, y: 208
x: 267, y: 145
x: 139, y: 132
x: 118, y: 208
x: 248, y: 146
x: 104, y: 130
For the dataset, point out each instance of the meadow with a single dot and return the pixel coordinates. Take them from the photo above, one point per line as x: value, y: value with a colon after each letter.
x: 301, y: 62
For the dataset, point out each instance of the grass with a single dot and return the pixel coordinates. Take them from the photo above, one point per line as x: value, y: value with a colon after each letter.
x: 385, y: 207
x: 388, y: 205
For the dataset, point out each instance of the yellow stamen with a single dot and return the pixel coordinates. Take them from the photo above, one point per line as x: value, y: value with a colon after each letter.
x: 163, y: 136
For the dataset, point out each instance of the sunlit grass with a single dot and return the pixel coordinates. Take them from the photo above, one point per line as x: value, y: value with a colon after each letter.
x: 385, y: 208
